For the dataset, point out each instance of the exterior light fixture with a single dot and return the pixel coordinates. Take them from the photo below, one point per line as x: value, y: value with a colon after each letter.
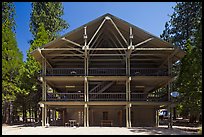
x: 69, y: 86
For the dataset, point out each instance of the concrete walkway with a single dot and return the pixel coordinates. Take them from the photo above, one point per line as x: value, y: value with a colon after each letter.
x: 20, y: 130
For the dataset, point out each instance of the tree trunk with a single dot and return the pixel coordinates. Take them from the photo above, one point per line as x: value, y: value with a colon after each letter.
x: 29, y: 113
x: 36, y: 114
x: 174, y: 113
x: 24, y: 114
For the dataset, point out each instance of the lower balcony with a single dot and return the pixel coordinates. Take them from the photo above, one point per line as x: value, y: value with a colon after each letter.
x: 105, y: 97
x: 65, y: 97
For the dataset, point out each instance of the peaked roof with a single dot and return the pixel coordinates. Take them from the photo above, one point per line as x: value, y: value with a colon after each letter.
x: 109, y: 25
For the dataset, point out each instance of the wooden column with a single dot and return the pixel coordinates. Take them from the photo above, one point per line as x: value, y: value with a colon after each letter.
x: 157, y: 118
x: 46, y: 120
x: 85, y: 115
x: 127, y: 116
x: 85, y: 48
x: 130, y: 123
x: 170, y: 122
x: 44, y: 90
x: 43, y: 116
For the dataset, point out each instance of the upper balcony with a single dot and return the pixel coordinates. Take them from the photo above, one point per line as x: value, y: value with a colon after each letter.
x: 106, y: 72
x: 111, y: 96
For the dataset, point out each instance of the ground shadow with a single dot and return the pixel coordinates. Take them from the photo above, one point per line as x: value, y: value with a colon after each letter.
x: 157, y: 131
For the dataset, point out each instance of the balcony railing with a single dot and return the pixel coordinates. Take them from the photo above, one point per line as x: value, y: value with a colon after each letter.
x: 105, y: 97
x: 65, y: 72
x: 65, y: 97
x: 149, y: 97
x: 148, y: 72
x: 106, y: 72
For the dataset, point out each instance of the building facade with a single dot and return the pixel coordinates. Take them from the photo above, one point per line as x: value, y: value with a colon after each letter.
x: 107, y: 72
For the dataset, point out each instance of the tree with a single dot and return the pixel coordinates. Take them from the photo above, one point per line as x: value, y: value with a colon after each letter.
x: 185, y: 30
x: 45, y: 24
x: 30, y: 74
x: 183, y: 23
x: 8, y: 13
x: 49, y: 13
x: 12, y: 60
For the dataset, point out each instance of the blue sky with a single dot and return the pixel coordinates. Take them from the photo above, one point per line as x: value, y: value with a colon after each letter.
x: 150, y: 16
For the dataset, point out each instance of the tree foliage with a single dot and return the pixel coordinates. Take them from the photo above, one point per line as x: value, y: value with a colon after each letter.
x: 12, y: 60
x: 30, y: 73
x: 185, y: 30
x: 8, y: 13
x: 49, y: 13
x: 183, y: 24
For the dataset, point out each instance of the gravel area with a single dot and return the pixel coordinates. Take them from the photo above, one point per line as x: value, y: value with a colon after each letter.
x: 52, y: 130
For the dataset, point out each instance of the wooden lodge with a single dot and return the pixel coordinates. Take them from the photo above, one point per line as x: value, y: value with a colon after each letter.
x: 107, y: 72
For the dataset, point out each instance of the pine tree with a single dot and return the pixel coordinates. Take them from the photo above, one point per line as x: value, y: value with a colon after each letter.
x: 49, y: 13
x: 30, y: 74
x: 12, y: 60
x: 185, y: 30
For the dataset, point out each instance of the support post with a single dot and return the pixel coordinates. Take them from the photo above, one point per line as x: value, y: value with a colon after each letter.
x: 46, y: 120
x: 44, y: 111
x: 130, y: 124
x: 170, y: 122
x: 86, y: 47
x: 43, y: 116
x: 157, y: 118
x: 85, y: 115
x: 85, y: 88
x: 127, y: 116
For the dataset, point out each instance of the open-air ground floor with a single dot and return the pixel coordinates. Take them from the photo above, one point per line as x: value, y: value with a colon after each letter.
x: 102, y: 116
x: 59, y: 130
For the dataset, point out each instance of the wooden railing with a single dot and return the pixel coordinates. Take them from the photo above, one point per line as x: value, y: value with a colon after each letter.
x: 65, y: 97
x: 107, y: 96
x: 104, y: 97
x: 65, y: 72
x: 148, y: 97
x: 106, y: 72
x: 148, y: 72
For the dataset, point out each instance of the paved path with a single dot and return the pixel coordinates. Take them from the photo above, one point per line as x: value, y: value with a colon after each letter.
x: 20, y: 130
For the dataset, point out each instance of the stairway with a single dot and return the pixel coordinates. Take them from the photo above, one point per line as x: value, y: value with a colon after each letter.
x: 101, y: 87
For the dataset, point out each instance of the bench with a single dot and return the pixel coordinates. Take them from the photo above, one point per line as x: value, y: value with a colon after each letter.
x: 107, y: 123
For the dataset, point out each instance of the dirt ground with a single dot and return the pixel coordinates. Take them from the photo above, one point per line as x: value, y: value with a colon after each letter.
x: 52, y: 130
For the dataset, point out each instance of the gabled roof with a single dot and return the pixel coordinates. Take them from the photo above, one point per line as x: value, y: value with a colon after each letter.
x: 106, y: 34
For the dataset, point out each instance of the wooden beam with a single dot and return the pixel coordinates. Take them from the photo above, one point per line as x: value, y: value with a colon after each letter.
x: 44, y: 58
x: 71, y: 60
x: 60, y: 49
x: 107, y: 49
x: 72, y: 42
x: 99, y: 35
x: 96, y: 31
x: 119, y: 31
x: 98, y: 43
x: 132, y: 48
x: 53, y: 55
x: 154, y: 49
x: 138, y: 54
x: 111, y: 40
x: 145, y: 41
x: 117, y: 39
x: 63, y: 49
x: 177, y: 49
x: 106, y: 54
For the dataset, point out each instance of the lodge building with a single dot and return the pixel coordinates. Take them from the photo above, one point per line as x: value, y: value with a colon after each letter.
x: 107, y: 72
